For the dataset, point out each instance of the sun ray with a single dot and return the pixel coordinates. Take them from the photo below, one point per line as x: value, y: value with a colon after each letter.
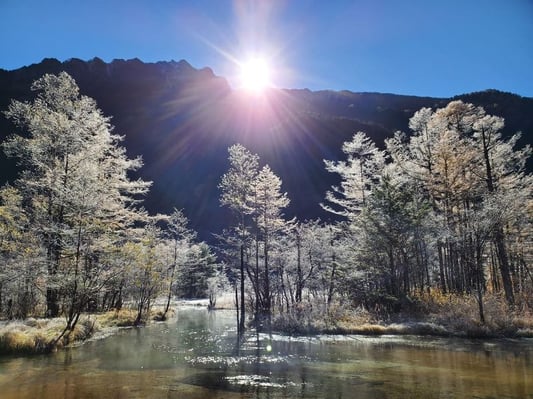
x: 255, y: 75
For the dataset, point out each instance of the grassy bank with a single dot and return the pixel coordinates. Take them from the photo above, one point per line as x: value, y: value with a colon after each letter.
x: 435, y: 314
x: 34, y: 336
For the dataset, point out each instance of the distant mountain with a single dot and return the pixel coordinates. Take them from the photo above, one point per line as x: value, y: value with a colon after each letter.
x: 182, y: 120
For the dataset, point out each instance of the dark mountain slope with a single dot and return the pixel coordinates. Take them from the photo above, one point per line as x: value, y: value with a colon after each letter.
x: 181, y: 120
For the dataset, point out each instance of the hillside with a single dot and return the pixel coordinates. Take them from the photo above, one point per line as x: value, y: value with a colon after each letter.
x: 182, y: 119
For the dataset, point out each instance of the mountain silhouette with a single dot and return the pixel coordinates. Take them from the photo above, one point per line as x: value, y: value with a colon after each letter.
x: 181, y: 120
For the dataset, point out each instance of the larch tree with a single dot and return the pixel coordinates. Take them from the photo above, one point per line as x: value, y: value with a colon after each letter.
x: 237, y: 191
x: 439, y: 161
x: 145, y: 255
x: 20, y: 272
x: 311, y: 244
x: 269, y: 202
x: 179, y: 236
x: 76, y: 189
x: 457, y: 159
x: 358, y: 173
x: 503, y: 171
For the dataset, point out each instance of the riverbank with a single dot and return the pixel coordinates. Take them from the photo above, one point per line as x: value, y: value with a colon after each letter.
x: 434, y: 315
x: 405, y: 325
x: 35, y: 336
x: 39, y: 335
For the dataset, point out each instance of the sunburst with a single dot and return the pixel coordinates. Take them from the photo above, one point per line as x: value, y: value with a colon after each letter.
x: 255, y: 75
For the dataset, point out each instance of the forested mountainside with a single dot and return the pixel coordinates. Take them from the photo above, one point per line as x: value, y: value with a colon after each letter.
x: 182, y: 120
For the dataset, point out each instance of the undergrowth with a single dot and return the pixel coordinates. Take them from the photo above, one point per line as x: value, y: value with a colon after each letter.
x: 425, y: 314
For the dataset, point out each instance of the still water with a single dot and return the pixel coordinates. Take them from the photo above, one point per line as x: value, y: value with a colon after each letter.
x: 195, y: 356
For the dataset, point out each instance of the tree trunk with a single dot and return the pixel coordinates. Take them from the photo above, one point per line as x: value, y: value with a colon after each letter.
x: 331, y: 281
x: 267, y: 309
x: 299, y: 281
x: 480, y: 284
x: 503, y: 261
x: 237, y: 306
x: 441, y: 269
x: 52, y: 302
x: 52, y: 293
x: 173, y: 269
x: 243, y: 312
x: 499, y: 238
x: 257, y: 290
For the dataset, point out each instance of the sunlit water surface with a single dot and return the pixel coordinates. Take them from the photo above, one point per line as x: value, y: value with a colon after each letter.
x: 195, y: 356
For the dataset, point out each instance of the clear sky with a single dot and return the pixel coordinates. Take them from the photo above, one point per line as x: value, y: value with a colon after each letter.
x: 421, y: 47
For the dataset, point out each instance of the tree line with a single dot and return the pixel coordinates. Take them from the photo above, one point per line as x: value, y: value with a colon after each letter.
x: 445, y: 208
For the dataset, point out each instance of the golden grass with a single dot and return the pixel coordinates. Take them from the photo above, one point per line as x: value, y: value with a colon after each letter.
x: 18, y: 342
x: 117, y: 318
x: 524, y: 324
x: 33, y: 335
x: 30, y: 336
x: 459, y: 314
x: 428, y: 314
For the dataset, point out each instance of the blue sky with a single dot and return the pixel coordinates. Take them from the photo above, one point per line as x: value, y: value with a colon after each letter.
x: 419, y: 47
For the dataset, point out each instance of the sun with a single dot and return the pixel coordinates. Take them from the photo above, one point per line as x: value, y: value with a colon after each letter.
x: 255, y: 75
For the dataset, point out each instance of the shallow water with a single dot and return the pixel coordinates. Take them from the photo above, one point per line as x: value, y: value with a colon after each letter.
x: 196, y: 356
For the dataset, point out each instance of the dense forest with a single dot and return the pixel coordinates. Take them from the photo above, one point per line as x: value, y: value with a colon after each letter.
x: 444, y: 210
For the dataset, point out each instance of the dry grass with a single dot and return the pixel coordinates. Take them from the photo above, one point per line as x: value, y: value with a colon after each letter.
x: 312, y: 318
x: 38, y: 335
x: 435, y: 314
x: 225, y: 301
x: 22, y: 342
x: 33, y: 336
x: 459, y: 314
x: 117, y: 318
x: 524, y: 324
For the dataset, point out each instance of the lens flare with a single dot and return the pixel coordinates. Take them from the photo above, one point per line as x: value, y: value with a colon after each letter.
x: 255, y: 75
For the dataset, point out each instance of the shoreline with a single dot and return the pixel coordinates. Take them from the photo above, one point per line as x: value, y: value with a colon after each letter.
x: 418, y: 328
x: 31, y: 336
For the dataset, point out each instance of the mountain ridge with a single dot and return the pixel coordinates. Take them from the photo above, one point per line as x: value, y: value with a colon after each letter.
x: 182, y: 119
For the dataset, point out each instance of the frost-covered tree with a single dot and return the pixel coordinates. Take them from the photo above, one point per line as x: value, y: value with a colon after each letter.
x: 199, y: 265
x: 144, y: 255
x: 237, y: 188
x: 179, y: 238
x: 269, y: 203
x: 458, y: 160
x: 75, y: 188
x: 359, y: 173
x: 503, y: 170
x: 311, y: 241
x: 19, y: 250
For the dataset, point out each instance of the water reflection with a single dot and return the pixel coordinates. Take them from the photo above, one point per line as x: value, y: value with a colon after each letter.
x: 197, y: 356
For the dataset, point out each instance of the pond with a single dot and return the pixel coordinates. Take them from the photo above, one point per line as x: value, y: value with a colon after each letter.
x: 196, y: 355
